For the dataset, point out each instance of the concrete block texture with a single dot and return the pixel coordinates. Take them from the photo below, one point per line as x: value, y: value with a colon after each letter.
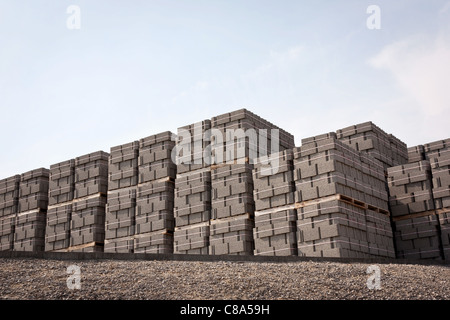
x: 416, y: 153
x: 7, y: 224
x: 155, y: 207
x: 33, y: 190
x: 444, y: 225
x: 244, y: 119
x: 155, y: 157
x: 9, y: 195
x: 360, y: 231
x: 92, y: 158
x: 154, y: 242
x: 29, y: 244
x: 369, y: 138
x: 119, y: 245
x: 191, y: 143
x: 324, y: 166
x: 418, y: 237
x: 123, y: 166
x: 410, y: 187
x: 57, y: 231
x: 232, y: 191
x: 62, y: 182
x: 192, y: 198
x: 192, y: 239
x: 87, y: 234
x: 436, y: 146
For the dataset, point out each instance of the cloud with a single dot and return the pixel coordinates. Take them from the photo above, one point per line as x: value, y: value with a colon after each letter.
x: 420, y: 66
x: 445, y: 8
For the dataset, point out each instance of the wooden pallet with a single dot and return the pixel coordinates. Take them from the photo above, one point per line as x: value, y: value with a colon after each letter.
x: 149, y: 183
x: 91, y: 196
x: 24, y: 213
x: 342, y: 198
x: 245, y: 216
x: 275, y: 210
x: 421, y: 214
x: 80, y: 246
x: 193, y: 226
x: 245, y: 160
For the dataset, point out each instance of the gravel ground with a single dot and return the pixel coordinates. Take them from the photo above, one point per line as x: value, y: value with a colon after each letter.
x: 22, y: 278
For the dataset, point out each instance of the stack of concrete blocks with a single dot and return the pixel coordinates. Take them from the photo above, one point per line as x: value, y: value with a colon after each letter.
x: 192, y: 147
x: 59, y: 214
x: 87, y: 228
x: 33, y: 203
x: 410, y: 188
x: 123, y: 176
x: 241, y: 134
x: 415, y: 223
x: 9, y: 197
x: 423, y: 152
x: 440, y: 170
x: 192, y: 210
x: 368, y: 138
x: 239, y: 138
x: 341, y: 200
x: 233, y: 210
x: 275, y: 215
x: 416, y: 154
x: 155, y: 221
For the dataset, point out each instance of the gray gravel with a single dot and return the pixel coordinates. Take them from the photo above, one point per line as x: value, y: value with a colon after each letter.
x: 22, y: 278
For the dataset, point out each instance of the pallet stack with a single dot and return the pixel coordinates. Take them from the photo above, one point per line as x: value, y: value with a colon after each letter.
x: 123, y: 176
x: 245, y: 137
x: 155, y: 195
x: 87, y: 227
x: 233, y: 209
x: 275, y: 215
x: 341, y: 201
x: 415, y: 223
x: 368, y: 138
x: 31, y: 218
x: 192, y: 142
x: 192, y: 210
x: 440, y: 170
x: 9, y: 198
x: 59, y: 214
x: 422, y: 152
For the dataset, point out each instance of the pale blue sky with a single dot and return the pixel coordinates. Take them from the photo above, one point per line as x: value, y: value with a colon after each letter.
x: 136, y: 68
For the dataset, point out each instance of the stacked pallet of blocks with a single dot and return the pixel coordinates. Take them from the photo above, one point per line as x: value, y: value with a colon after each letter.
x: 275, y: 215
x: 9, y: 197
x: 192, y: 210
x: 139, y: 215
x: 370, y: 139
x: 155, y: 195
x: 87, y: 227
x: 59, y: 214
x: 420, y: 192
x: 440, y: 170
x: 31, y: 218
x: 233, y: 209
x: 241, y: 134
x: 341, y: 201
x: 245, y: 138
x: 414, y: 219
x: 121, y: 206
